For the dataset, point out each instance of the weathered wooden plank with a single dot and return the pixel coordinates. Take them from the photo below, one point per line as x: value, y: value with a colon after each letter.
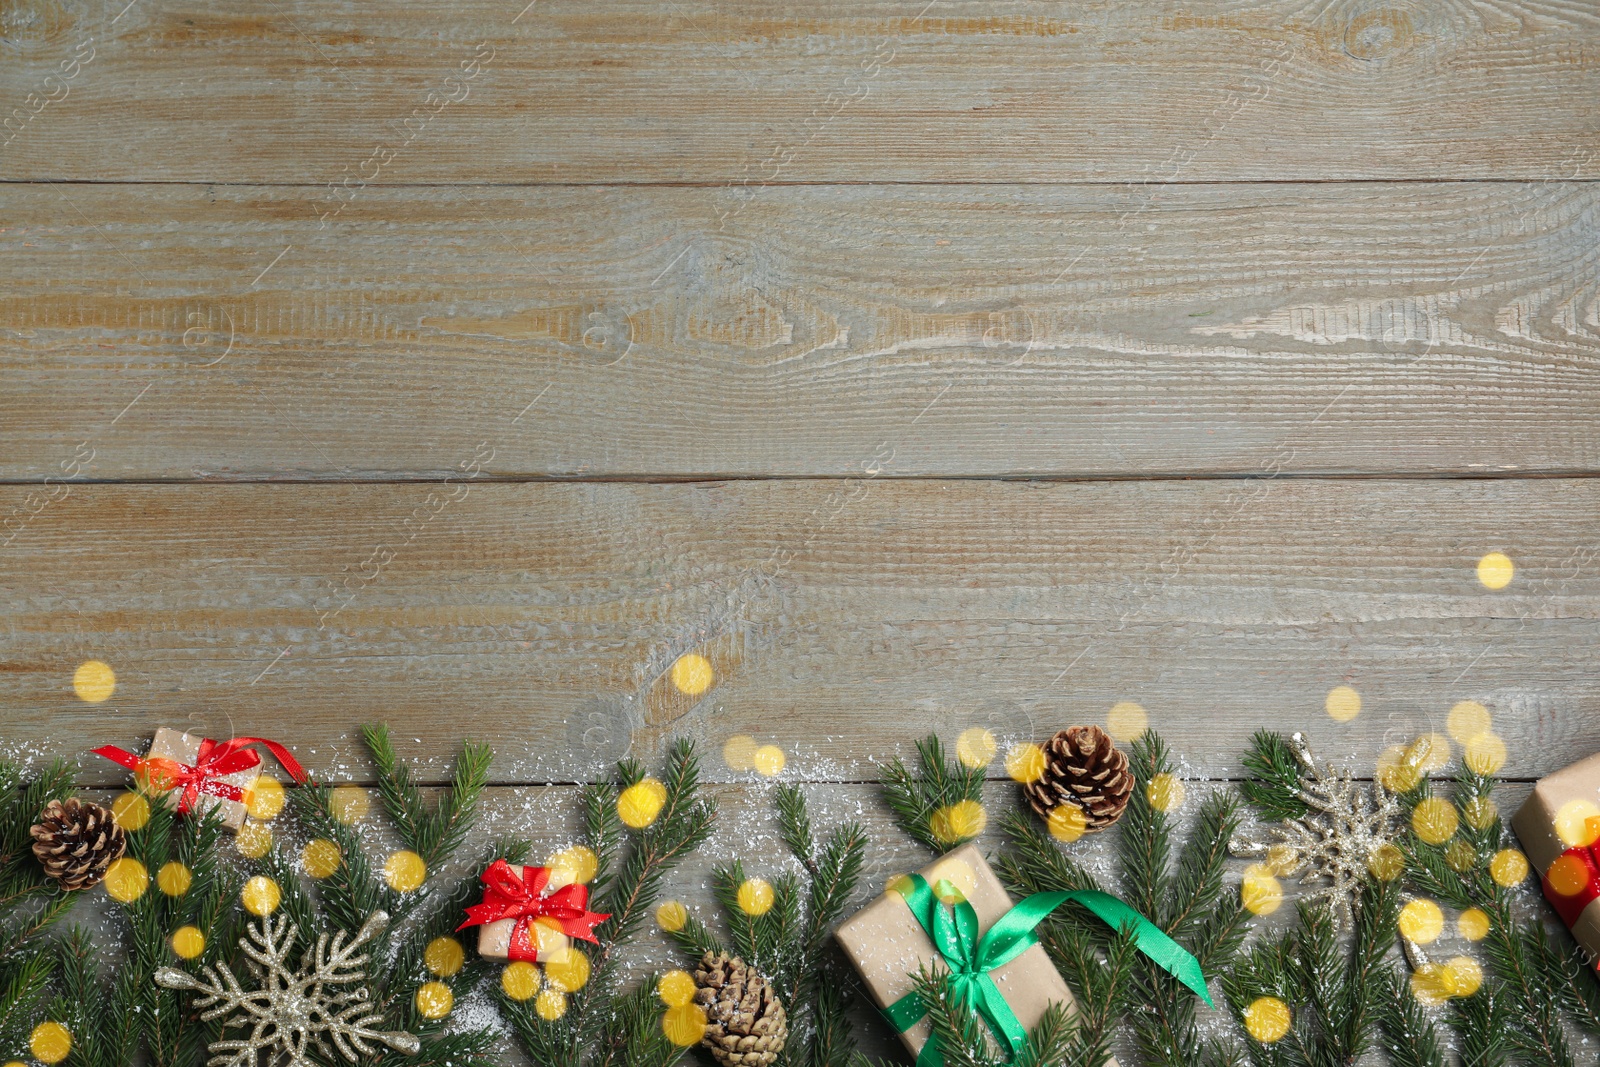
x: 842, y: 619
x: 746, y: 93
x: 913, y: 330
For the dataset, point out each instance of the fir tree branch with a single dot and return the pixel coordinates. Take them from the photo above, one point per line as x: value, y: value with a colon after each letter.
x: 916, y: 799
x: 1276, y: 777
x: 1409, y: 1036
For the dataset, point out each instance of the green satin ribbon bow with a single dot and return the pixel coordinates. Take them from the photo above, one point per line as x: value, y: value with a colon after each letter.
x: 969, y: 958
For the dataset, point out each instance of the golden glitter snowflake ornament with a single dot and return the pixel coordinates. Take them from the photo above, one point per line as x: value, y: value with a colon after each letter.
x: 1347, y: 834
x: 293, y: 1012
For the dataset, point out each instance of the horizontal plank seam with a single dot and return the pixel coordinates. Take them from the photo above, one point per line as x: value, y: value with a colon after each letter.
x: 435, y: 478
x: 797, y: 184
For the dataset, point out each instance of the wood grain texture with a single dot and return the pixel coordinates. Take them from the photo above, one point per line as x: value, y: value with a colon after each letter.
x: 747, y: 93
x: 972, y: 330
x: 844, y: 619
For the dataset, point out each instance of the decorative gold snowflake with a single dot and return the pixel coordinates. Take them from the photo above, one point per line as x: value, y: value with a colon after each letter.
x: 1348, y: 832
x: 322, y: 1005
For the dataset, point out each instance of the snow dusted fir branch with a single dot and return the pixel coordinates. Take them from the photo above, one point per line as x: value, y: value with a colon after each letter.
x: 321, y: 1005
x: 1330, y: 826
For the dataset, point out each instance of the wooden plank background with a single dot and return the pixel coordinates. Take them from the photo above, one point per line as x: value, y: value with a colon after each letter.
x: 923, y: 365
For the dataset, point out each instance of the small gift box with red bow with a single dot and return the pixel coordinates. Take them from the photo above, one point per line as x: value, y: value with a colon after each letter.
x: 1559, y: 826
x: 198, y: 774
x: 523, y: 918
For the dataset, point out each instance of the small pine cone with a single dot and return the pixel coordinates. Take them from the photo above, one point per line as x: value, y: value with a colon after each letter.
x: 745, y: 1022
x: 76, y: 841
x: 1083, y: 767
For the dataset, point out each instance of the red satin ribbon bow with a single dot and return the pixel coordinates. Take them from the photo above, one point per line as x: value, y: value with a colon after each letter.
x: 215, y: 761
x: 1581, y: 872
x: 507, y: 896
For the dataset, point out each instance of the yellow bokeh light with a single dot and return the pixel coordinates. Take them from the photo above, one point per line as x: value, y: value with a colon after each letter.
x: 1508, y: 867
x: 349, y: 803
x: 548, y: 937
x: 434, y: 1000
x: 1342, y: 703
x: 50, y: 1042
x: 769, y: 760
x: 188, y: 942
x: 572, y: 866
x: 443, y: 957
x: 126, y: 880
x: 1480, y: 813
x: 1067, y: 822
x: 321, y: 857
x: 551, y: 1004
x: 739, y: 752
x: 405, y: 871
x: 957, y: 822
x: 520, y: 980
x: 692, y: 674
x: 1267, y: 1019
x: 1430, y: 752
x: 253, y: 840
x: 1473, y: 924
x: 1427, y: 985
x: 901, y: 884
x: 1496, y: 570
x: 1397, y: 770
x: 684, y: 1025
x: 260, y: 895
x: 1260, y: 891
x: 676, y: 988
x: 1386, y: 862
x: 130, y: 811
x: 1467, y: 719
x: 975, y: 747
x: 1421, y: 921
x: 1283, y: 860
x: 1461, y: 977
x: 264, y: 799
x: 1165, y: 792
x: 1025, y: 762
x: 1485, y: 754
x: 1127, y: 721
x: 640, y: 804
x: 94, y: 682
x: 755, y: 896
x: 1577, y: 823
x: 1460, y: 856
x: 567, y: 970
x: 174, y: 879
x: 672, y: 916
x: 1568, y: 876
x: 1434, y: 820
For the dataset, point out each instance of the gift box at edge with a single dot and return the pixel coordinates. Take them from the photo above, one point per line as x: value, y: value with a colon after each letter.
x: 184, y: 748
x: 1559, y: 826
x: 887, y: 946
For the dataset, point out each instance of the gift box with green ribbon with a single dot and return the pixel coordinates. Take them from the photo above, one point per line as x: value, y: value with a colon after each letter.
x: 956, y: 917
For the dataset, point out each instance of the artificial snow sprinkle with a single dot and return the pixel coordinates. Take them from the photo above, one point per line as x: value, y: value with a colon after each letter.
x: 320, y: 1006
x: 1348, y: 826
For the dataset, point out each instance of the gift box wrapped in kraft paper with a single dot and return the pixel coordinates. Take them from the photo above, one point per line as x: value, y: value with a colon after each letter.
x: 1559, y: 826
x: 955, y: 916
x: 530, y: 913
x: 197, y: 774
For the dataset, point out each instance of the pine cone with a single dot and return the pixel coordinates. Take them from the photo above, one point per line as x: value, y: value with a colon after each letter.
x: 1083, y: 767
x: 76, y: 841
x: 745, y: 1022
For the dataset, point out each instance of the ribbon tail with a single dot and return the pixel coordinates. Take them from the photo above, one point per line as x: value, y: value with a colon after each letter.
x: 118, y: 755
x: 1150, y: 939
x: 282, y: 755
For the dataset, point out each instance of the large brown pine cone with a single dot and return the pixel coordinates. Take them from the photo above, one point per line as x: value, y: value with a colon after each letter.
x: 745, y: 1022
x: 76, y: 841
x: 1082, y: 766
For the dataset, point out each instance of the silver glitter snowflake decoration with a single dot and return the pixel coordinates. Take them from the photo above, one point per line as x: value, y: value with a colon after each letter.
x: 319, y: 1006
x: 1340, y: 839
